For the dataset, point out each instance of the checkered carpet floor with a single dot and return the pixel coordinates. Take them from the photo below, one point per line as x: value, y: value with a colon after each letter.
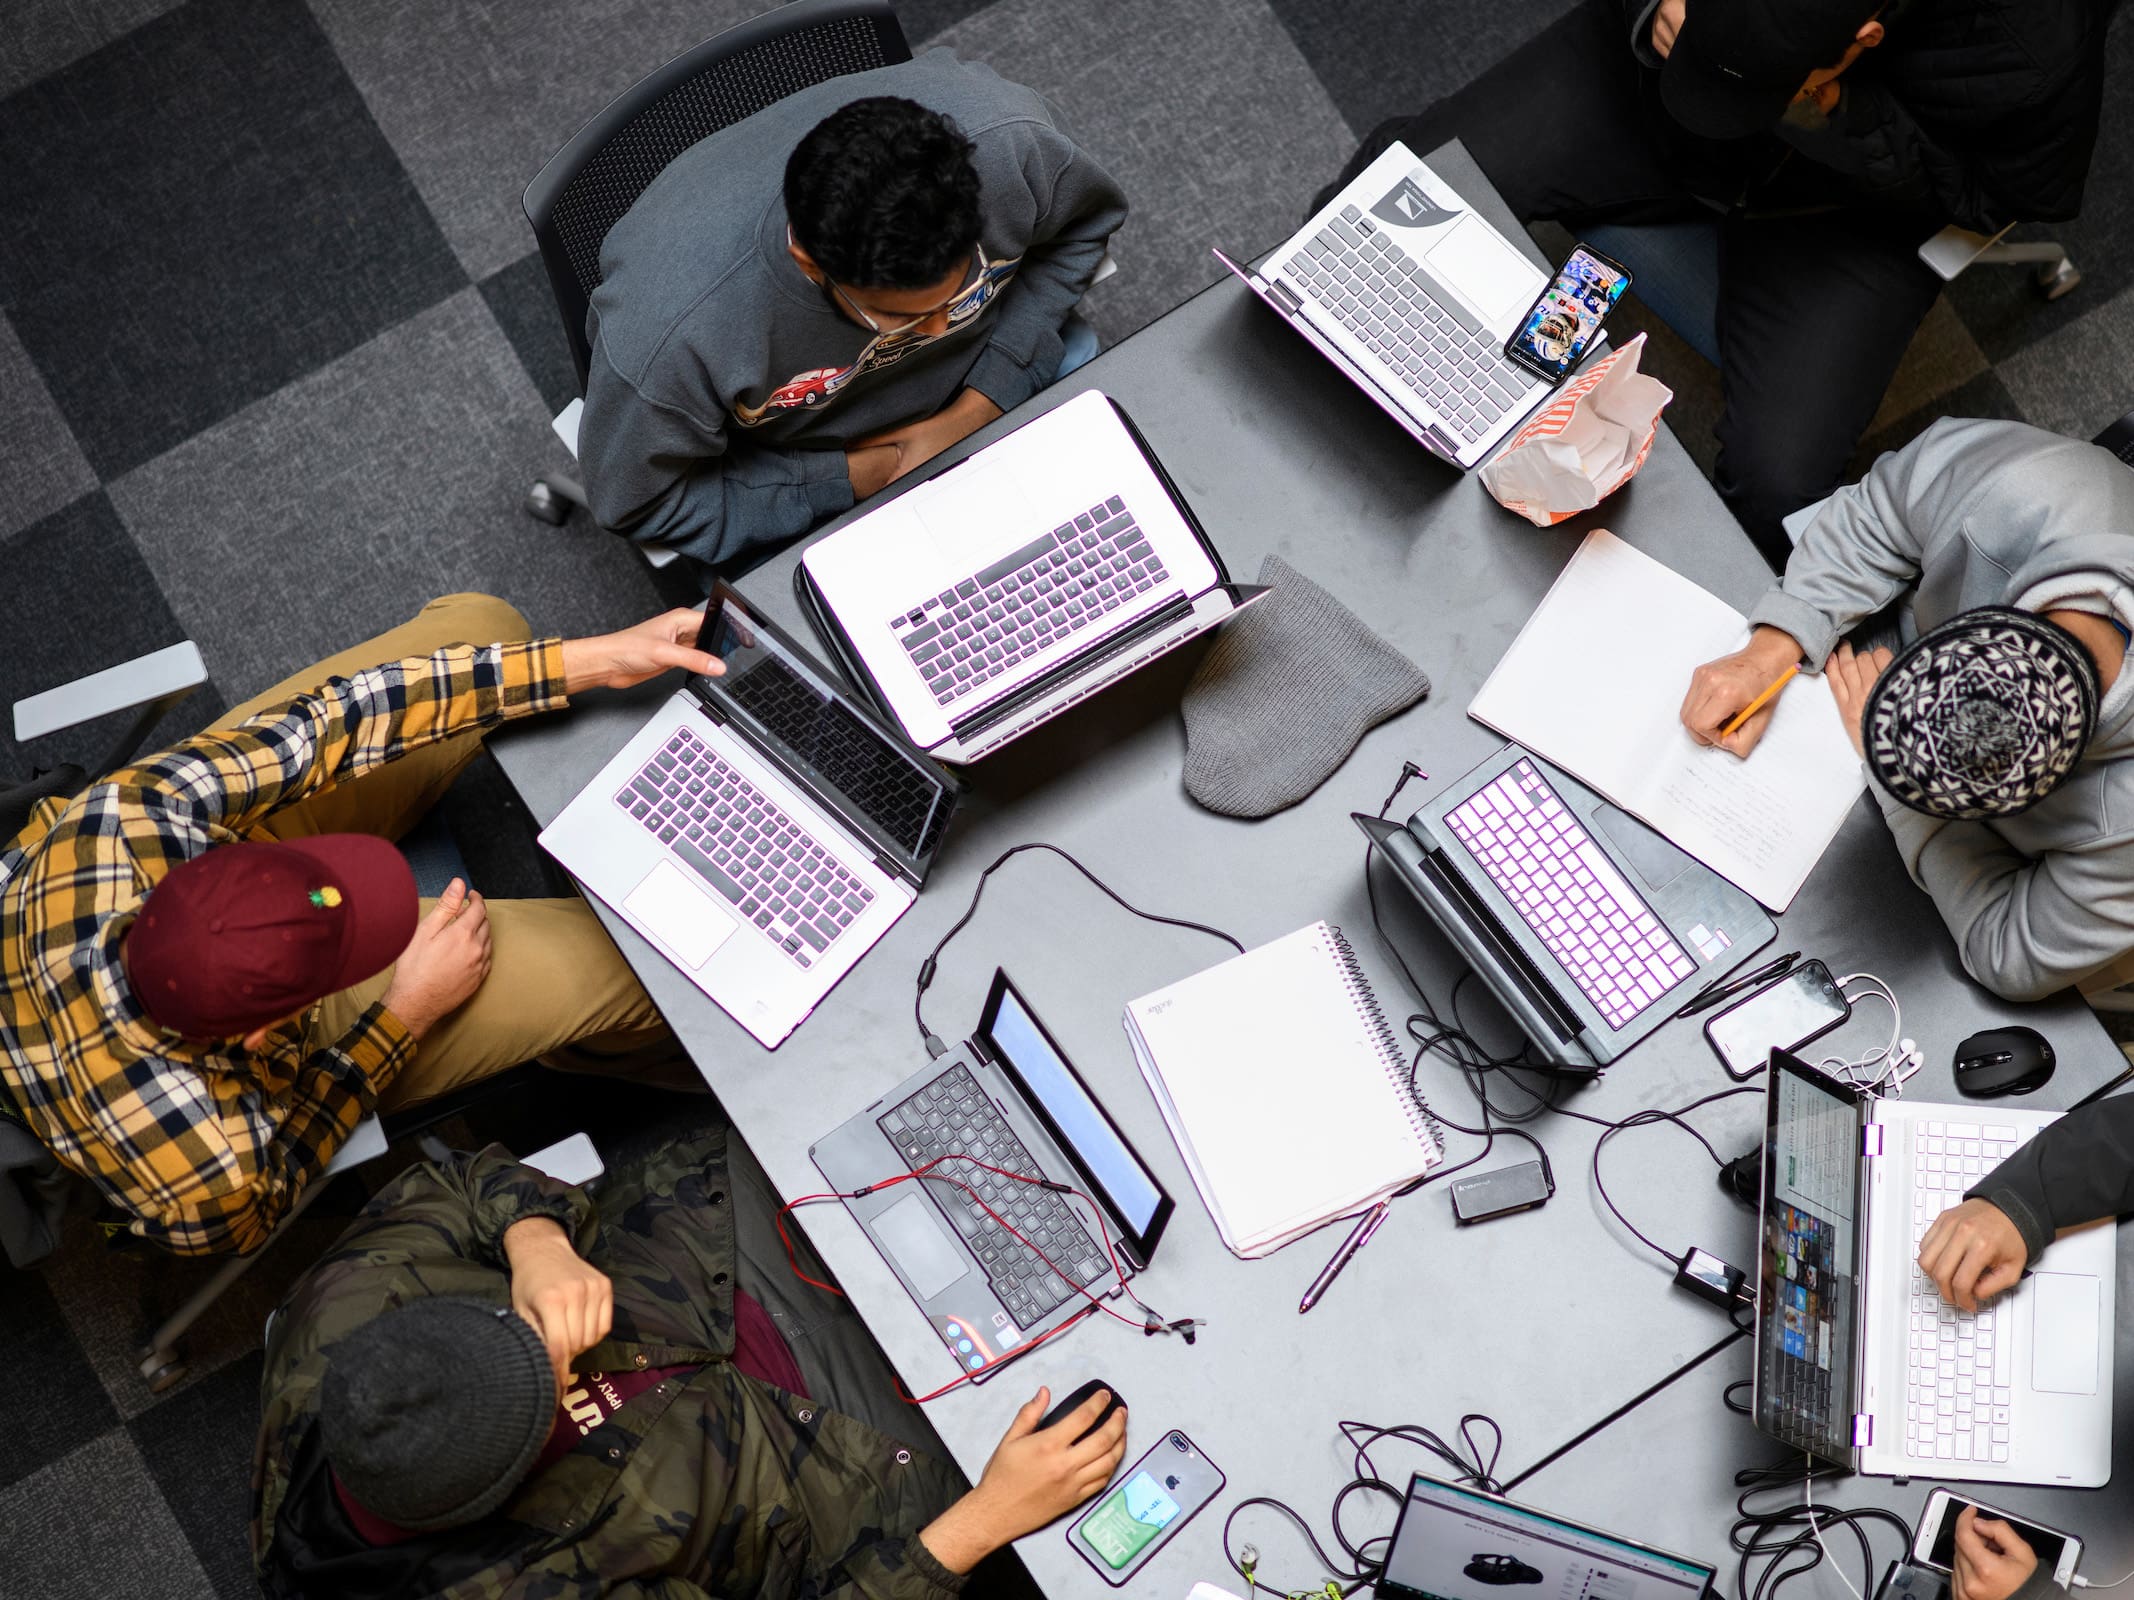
x: 276, y: 364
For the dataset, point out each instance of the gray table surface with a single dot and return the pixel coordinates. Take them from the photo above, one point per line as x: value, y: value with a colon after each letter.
x: 1545, y: 1321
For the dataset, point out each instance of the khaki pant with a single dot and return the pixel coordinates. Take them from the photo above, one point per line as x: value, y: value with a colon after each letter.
x: 558, y: 987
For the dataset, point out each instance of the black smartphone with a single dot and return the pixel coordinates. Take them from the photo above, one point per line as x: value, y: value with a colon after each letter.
x: 1559, y: 326
x: 1150, y: 1502
x: 1783, y: 1015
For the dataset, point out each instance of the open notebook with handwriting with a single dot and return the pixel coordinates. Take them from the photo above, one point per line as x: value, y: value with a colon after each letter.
x: 1595, y: 681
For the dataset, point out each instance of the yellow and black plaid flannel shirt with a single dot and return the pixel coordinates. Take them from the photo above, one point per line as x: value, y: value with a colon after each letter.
x: 207, y: 1145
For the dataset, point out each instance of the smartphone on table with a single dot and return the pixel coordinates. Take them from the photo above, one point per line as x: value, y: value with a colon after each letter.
x: 1785, y: 1014
x: 1935, y: 1544
x: 1144, y: 1507
x: 1559, y: 327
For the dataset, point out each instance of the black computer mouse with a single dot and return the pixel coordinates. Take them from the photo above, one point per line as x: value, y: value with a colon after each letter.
x: 2003, y: 1061
x: 1078, y: 1398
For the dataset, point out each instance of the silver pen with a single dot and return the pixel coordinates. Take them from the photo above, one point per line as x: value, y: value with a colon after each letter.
x: 1357, y: 1239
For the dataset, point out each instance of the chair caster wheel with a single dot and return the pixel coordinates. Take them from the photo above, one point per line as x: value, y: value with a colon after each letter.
x: 165, y: 1377
x: 2058, y: 279
x: 550, y: 507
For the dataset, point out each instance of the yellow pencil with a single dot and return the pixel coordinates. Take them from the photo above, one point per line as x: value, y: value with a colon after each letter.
x: 1759, y: 702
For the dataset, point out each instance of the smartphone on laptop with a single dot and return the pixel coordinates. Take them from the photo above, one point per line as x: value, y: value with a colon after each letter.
x: 1565, y: 319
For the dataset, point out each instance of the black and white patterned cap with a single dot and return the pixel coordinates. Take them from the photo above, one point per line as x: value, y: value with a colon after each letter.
x: 1983, y: 716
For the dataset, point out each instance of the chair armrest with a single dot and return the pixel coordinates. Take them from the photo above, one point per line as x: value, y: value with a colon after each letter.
x: 572, y: 1160
x: 565, y: 422
x: 365, y: 1141
x: 160, y: 675
x: 1954, y: 248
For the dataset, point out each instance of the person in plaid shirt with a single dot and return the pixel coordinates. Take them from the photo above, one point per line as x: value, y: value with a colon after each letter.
x: 206, y: 981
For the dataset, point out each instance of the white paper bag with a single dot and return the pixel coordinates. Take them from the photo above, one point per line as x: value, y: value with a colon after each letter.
x: 1584, y: 445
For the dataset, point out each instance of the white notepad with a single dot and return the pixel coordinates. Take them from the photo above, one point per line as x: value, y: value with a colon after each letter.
x: 1595, y: 681
x: 1284, y: 1087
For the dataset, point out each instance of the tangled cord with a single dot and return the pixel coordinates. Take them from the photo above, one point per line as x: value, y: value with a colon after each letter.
x: 1788, y: 1539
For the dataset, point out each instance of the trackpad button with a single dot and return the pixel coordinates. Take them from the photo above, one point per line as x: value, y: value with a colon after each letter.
x: 2063, y: 1333
x: 921, y: 1248
x: 672, y: 909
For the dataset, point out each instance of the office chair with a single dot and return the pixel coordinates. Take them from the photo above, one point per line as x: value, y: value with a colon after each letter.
x: 589, y: 183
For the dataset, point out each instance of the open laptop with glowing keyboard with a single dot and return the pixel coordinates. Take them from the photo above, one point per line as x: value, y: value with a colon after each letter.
x: 1589, y: 927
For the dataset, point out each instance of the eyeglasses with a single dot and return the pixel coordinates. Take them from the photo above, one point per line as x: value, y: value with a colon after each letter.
x: 965, y: 303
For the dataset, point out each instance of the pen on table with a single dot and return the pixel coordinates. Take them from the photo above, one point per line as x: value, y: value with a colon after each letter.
x: 1712, y: 994
x: 1759, y: 702
x: 1358, y: 1237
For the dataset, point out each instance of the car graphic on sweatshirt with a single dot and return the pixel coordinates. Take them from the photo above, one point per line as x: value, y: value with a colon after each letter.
x: 809, y: 388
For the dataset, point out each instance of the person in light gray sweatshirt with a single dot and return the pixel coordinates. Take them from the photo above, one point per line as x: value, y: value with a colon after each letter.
x: 816, y: 300
x: 1997, y: 745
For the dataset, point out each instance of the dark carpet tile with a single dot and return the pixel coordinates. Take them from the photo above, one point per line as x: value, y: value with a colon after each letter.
x: 65, y: 1406
x: 63, y: 626
x: 1382, y: 58
x: 520, y: 300
x: 198, y: 1448
x: 198, y: 213
x: 922, y: 19
x: 497, y: 836
x: 1983, y: 396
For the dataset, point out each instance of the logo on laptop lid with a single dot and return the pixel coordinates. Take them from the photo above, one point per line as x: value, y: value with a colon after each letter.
x: 1407, y: 206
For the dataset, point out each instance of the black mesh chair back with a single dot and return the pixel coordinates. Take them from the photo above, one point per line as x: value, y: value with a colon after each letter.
x: 2119, y: 438
x: 589, y: 183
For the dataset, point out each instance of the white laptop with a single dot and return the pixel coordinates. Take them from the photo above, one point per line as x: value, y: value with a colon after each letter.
x: 1018, y: 581
x: 762, y: 830
x: 1858, y: 1360
x: 1405, y: 288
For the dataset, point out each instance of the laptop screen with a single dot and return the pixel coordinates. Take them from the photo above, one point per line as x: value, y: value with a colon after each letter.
x: 1807, y: 1298
x: 1459, y: 1544
x: 792, y: 706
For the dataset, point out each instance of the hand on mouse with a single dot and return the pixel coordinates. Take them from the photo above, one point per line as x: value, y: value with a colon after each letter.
x: 1035, y: 1476
x: 1973, y: 1252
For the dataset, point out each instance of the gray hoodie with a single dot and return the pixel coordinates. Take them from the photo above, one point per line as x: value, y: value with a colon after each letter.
x: 725, y: 386
x: 1993, y: 513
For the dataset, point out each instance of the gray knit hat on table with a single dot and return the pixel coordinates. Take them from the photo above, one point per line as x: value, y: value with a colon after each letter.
x: 1284, y: 696
x: 431, y: 1413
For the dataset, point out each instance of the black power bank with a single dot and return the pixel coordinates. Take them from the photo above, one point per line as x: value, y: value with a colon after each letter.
x: 1499, y: 1193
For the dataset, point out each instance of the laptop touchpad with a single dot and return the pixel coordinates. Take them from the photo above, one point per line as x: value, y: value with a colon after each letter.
x: 2063, y: 1333
x: 921, y: 1248
x: 685, y: 919
x: 1653, y: 858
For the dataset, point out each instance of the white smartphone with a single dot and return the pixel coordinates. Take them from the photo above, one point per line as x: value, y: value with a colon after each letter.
x: 1935, y: 1546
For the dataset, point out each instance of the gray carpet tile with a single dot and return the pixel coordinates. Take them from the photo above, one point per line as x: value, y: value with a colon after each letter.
x: 41, y: 467
x: 525, y: 308
x: 95, y: 1525
x: 1384, y: 58
x: 337, y: 507
x: 924, y: 19
x: 1941, y: 357
x: 79, y: 599
x: 44, y: 35
x: 199, y: 1449
x: 1983, y: 396
x: 68, y: 1407
x: 477, y: 97
x: 2079, y: 378
x: 1225, y: 155
x: 198, y: 213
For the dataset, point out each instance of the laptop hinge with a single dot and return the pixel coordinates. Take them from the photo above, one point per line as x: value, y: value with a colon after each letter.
x: 1863, y: 1431
x: 1871, y: 1139
x: 1283, y: 296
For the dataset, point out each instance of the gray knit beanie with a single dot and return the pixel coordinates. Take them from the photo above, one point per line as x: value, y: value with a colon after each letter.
x: 1285, y: 694
x: 431, y: 1413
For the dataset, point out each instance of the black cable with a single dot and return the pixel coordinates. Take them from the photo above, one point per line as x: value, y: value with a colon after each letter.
x: 933, y: 1044
x: 1626, y: 1408
x: 1790, y: 1539
x: 1645, y: 1118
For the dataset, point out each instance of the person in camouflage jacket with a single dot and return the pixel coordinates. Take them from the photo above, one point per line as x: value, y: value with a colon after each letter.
x: 710, y: 1483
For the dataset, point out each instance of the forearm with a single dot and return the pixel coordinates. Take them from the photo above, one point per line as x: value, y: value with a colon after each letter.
x: 2076, y: 1171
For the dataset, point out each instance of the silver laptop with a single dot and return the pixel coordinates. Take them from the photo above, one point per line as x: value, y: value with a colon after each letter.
x: 762, y: 830
x: 1008, y: 1099
x: 1404, y: 287
x: 1017, y: 582
x: 1858, y: 1360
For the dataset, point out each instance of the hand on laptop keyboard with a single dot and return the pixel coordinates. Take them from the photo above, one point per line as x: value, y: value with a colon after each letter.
x: 1972, y: 1252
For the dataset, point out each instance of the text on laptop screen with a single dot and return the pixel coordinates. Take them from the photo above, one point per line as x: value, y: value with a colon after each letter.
x: 1083, y: 1128
x: 1456, y: 1544
x: 1804, y: 1346
x: 785, y: 701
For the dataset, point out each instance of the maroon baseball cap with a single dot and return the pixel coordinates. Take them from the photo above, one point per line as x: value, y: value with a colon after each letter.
x: 251, y: 932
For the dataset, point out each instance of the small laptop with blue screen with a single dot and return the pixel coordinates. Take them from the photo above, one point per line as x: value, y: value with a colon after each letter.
x: 1460, y: 1544
x: 997, y: 1264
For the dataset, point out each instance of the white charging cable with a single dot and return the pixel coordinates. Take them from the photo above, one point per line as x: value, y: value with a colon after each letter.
x: 1889, y: 1065
x: 2081, y: 1582
x: 1815, y: 1523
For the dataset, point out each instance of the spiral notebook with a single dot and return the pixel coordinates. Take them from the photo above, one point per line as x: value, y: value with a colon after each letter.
x: 1284, y: 1087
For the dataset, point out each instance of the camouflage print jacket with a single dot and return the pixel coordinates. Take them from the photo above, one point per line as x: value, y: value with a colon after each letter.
x: 714, y: 1485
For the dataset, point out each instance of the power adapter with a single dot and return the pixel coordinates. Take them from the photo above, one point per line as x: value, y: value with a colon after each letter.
x: 1709, y: 1278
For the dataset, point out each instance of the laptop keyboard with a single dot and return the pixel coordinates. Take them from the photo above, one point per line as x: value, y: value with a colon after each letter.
x: 953, y: 1116
x: 726, y: 831
x: 1961, y: 1377
x: 1390, y: 302
x: 1599, y: 928
x: 968, y: 635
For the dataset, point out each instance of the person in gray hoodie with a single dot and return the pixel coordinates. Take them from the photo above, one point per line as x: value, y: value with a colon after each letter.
x: 816, y: 300
x: 1997, y: 745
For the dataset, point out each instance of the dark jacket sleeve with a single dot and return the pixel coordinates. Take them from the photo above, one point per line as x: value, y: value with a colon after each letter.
x: 2078, y: 1170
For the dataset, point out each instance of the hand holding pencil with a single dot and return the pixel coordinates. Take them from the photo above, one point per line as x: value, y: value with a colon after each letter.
x: 1730, y: 700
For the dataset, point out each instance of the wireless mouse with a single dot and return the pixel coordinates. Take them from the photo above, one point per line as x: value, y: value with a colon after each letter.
x: 1076, y: 1399
x: 2003, y: 1061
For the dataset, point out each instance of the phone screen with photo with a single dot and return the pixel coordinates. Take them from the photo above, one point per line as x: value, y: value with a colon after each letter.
x: 1561, y: 324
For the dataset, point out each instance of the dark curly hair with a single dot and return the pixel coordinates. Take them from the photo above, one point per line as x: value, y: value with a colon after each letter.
x: 883, y: 195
